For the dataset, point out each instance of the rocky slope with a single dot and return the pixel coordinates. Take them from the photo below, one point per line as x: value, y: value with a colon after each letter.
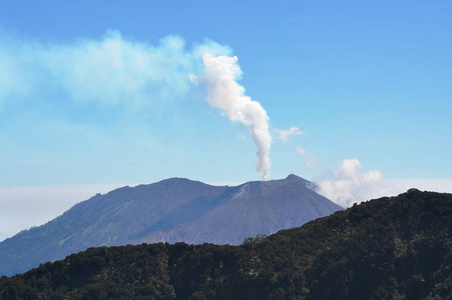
x: 173, y: 210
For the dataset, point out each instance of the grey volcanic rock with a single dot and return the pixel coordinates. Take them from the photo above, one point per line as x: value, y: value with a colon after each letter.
x: 171, y: 210
x: 260, y: 207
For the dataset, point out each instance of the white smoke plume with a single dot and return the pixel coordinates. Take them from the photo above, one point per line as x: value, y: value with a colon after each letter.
x: 223, y: 91
x: 285, y: 134
x: 350, y: 185
x: 114, y: 71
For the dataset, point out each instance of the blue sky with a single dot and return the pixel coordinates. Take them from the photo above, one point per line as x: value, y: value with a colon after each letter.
x: 361, y: 79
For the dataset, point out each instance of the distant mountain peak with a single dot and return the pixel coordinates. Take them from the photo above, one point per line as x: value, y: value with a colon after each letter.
x: 180, y: 182
x: 294, y: 177
x: 177, y: 179
x: 171, y: 210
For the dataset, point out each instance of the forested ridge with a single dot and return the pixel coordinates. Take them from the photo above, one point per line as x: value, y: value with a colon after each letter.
x: 389, y: 248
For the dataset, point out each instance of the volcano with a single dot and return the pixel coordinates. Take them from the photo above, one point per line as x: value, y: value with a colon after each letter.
x: 172, y: 210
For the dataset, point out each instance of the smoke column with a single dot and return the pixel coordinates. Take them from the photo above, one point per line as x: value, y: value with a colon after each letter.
x: 114, y: 72
x: 221, y: 73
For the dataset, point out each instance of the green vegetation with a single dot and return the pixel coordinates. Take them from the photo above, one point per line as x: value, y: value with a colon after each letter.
x: 390, y: 248
x: 257, y: 239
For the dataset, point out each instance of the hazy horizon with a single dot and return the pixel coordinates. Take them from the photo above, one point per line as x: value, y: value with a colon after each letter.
x: 44, y: 203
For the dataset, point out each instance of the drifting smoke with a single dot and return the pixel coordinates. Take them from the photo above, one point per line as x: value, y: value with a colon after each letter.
x: 285, y: 134
x: 110, y: 71
x: 117, y: 72
x: 221, y: 73
x: 350, y: 185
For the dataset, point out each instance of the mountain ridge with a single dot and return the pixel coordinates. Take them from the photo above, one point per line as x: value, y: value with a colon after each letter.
x: 171, y: 210
x: 389, y: 248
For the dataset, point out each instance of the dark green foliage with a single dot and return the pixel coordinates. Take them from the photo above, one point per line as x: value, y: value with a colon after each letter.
x: 390, y: 248
x: 253, y: 240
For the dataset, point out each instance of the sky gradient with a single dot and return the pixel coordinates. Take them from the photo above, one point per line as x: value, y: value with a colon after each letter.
x: 365, y: 87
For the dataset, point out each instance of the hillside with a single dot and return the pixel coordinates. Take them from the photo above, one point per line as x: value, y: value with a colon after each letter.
x: 172, y: 210
x: 389, y: 248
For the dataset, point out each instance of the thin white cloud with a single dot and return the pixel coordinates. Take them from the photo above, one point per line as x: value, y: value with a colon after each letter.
x: 110, y: 70
x: 285, y: 134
